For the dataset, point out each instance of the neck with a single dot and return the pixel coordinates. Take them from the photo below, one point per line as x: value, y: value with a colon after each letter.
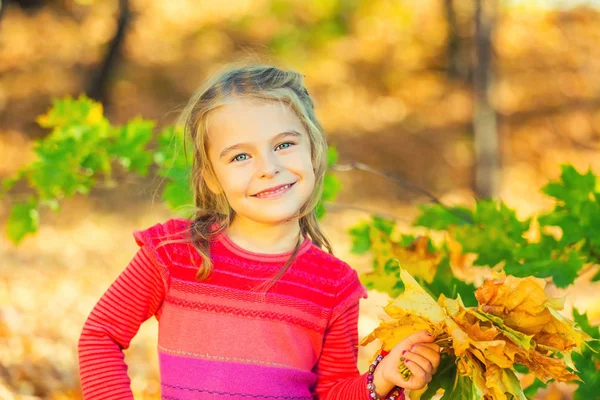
x: 264, y: 238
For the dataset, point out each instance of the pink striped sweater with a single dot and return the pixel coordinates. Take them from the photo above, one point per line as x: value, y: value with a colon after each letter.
x: 218, y: 339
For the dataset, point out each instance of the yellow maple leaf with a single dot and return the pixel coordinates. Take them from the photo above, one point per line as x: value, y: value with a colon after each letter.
x: 512, y: 294
x: 416, y: 258
x: 522, y: 303
x: 545, y: 367
x: 526, y: 322
x: 415, y: 300
x: 493, y: 352
x: 562, y: 330
x: 392, y: 332
x: 501, y: 381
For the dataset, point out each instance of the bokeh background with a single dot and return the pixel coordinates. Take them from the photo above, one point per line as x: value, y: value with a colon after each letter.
x: 459, y: 99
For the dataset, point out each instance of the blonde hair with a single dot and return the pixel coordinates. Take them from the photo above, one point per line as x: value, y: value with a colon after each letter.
x: 213, y: 214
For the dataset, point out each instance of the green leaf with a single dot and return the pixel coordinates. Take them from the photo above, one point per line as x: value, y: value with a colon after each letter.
x: 399, y: 287
x: 320, y: 210
x: 588, y: 362
x: 361, y: 241
x: 129, y: 145
x: 68, y: 112
x: 391, y: 266
x: 332, y: 156
x: 563, y: 270
x: 496, y: 234
x: 173, y: 160
x: 583, y: 322
x: 570, y: 224
x: 177, y: 195
x: 331, y: 187
x: 464, y: 390
x: 444, y: 378
x: 447, y: 284
x: 532, y: 389
x: 9, y: 183
x: 438, y: 217
x: 383, y: 283
x: 572, y: 186
x: 22, y: 220
x: 587, y: 365
x: 384, y: 225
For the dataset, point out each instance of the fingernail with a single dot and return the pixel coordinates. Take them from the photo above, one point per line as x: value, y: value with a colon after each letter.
x: 428, y: 333
x: 403, y: 351
x: 406, y: 362
x: 412, y: 347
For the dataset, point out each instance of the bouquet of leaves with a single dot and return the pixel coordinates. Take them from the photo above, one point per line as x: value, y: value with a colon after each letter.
x: 515, y: 327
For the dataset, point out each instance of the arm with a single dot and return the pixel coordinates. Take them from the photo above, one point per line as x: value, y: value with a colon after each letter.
x: 337, y: 372
x: 135, y: 296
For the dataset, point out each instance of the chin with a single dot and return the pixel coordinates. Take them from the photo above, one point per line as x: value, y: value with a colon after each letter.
x: 276, y: 218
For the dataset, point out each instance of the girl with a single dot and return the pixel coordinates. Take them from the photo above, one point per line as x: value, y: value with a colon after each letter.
x: 249, y: 305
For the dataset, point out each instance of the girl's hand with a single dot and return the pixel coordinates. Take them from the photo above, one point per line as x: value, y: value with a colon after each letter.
x: 422, y: 359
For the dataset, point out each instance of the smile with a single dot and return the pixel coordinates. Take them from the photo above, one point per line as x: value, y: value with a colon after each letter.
x: 272, y: 194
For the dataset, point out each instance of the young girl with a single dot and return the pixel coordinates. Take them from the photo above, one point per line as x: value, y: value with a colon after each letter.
x: 249, y: 305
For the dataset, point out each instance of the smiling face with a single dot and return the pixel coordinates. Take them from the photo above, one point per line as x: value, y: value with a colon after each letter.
x: 261, y: 156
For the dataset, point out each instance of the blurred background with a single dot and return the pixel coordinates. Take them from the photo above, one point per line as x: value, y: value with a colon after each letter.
x: 460, y: 99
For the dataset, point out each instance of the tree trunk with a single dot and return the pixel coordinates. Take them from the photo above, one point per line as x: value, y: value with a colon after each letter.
x: 98, y: 86
x: 452, y: 43
x: 485, y: 125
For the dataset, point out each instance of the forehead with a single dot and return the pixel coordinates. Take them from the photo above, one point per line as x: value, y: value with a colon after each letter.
x: 249, y: 120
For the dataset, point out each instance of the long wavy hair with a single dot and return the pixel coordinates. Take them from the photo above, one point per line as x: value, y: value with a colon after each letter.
x: 212, y: 213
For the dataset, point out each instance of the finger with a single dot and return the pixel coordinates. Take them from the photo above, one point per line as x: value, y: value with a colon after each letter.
x: 417, y: 378
x: 429, y: 348
x: 423, y: 362
x: 433, y: 355
x: 408, y: 342
x: 432, y: 346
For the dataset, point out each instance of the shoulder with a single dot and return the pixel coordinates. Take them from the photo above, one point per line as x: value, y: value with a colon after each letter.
x: 329, y: 266
x: 157, y: 239
x: 170, y: 229
x: 173, y: 228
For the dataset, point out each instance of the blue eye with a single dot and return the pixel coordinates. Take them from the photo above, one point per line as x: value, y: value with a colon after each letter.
x: 285, y: 145
x: 239, y: 157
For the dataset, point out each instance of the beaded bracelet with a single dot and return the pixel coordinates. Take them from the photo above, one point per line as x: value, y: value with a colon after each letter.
x: 396, y: 394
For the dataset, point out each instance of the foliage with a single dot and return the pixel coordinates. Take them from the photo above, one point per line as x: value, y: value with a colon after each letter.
x: 556, y: 246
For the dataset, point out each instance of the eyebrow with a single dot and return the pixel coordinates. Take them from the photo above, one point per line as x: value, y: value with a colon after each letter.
x: 279, y: 135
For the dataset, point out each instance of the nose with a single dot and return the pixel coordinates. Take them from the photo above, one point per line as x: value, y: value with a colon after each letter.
x: 269, y: 166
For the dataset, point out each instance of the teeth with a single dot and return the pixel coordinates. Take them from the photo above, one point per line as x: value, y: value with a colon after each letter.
x: 281, y: 189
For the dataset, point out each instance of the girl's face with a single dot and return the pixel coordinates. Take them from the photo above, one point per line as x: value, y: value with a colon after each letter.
x: 261, y: 156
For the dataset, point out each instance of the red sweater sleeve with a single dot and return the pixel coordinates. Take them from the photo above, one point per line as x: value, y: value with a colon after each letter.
x: 337, y: 371
x: 135, y: 296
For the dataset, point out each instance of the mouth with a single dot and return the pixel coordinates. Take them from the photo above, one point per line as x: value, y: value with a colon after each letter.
x: 273, y: 192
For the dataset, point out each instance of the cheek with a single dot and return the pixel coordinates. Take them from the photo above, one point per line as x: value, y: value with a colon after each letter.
x: 231, y: 181
x: 309, y: 174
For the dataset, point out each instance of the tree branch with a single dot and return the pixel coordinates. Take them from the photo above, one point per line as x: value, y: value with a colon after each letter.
x: 399, y: 181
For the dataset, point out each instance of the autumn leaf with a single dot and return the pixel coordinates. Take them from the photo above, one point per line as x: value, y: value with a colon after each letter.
x: 502, y: 381
x: 518, y: 338
x: 415, y: 300
x: 415, y: 258
x: 546, y: 367
x: 392, y: 332
x: 515, y: 299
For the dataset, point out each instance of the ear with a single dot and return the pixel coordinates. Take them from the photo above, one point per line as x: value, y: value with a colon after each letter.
x: 212, y: 183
